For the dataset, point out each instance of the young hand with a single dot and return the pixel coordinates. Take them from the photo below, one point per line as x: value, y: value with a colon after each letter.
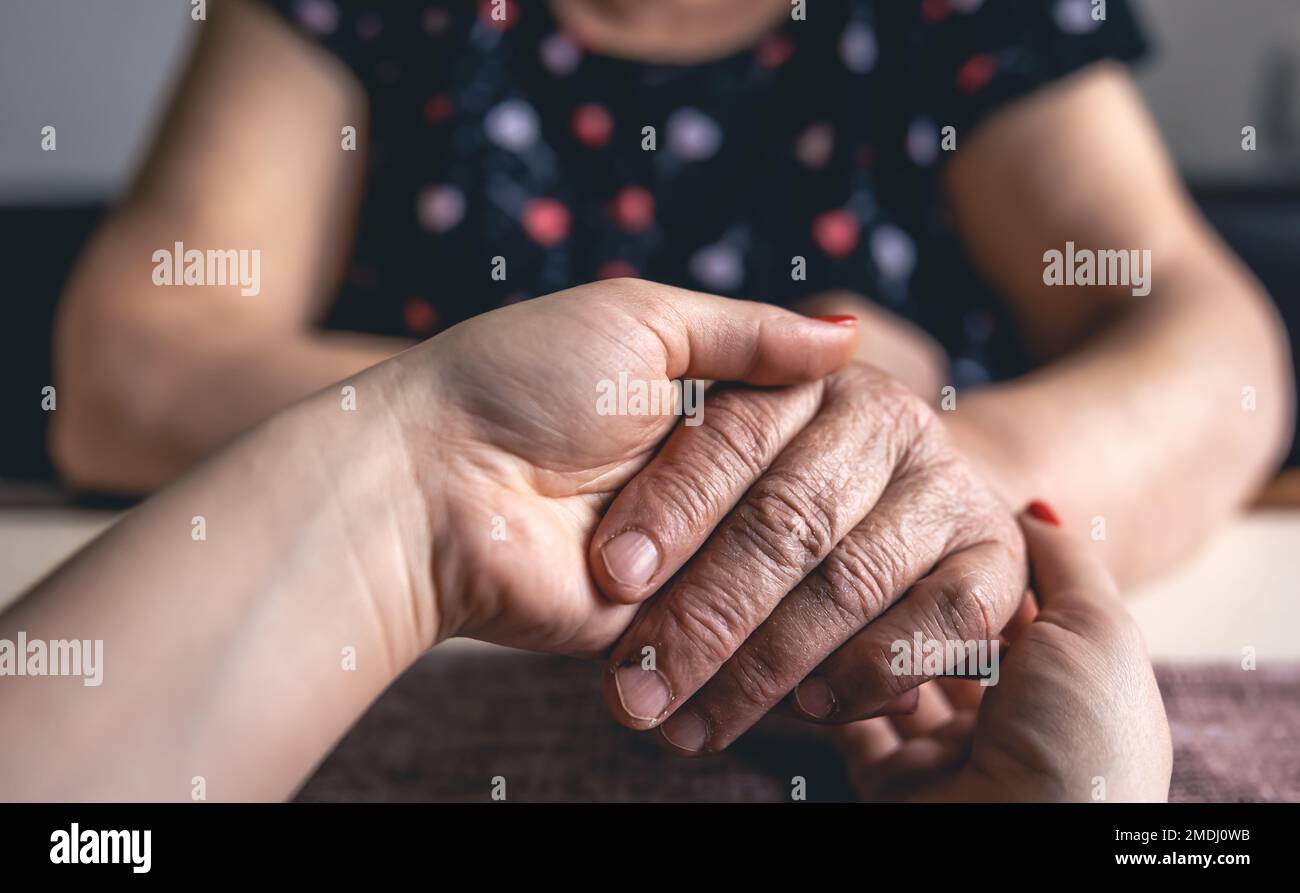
x: 1075, y: 715
x: 497, y: 422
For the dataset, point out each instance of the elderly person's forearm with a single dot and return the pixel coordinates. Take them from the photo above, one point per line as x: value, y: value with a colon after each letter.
x: 1192, y: 383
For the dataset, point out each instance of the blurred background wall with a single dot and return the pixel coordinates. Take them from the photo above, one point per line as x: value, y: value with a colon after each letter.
x: 100, y: 69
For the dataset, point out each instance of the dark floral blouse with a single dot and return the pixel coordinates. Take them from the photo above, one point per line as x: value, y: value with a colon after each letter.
x: 504, y: 139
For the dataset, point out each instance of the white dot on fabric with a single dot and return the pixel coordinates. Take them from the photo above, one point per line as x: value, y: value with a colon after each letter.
x: 318, y: 16
x: 512, y: 125
x: 858, y: 48
x: 893, y: 251
x: 693, y: 135
x: 718, y: 266
x: 1075, y: 16
x: 440, y: 208
x: 560, y: 55
x: 923, y: 141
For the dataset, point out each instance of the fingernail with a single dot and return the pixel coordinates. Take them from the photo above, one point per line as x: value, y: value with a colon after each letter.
x: 631, y: 558
x: 839, y: 320
x: 902, y: 705
x: 1043, y: 512
x: 686, y: 730
x: 644, y: 694
x: 814, y: 697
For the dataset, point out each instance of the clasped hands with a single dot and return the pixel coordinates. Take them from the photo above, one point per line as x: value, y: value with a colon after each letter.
x: 768, y: 558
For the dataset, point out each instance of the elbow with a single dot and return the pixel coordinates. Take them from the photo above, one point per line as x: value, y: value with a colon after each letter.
x: 1251, y: 360
x: 1274, y: 397
x: 90, y: 452
x: 106, y: 434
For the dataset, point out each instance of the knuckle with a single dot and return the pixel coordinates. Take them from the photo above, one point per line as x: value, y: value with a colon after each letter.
x: 878, y: 672
x: 845, y: 605
x: 859, y: 578
x: 709, y: 621
x: 788, y: 523
x: 884, y: 405
x: 680, y: 495
x: 910, y: 411
x: 695, y: 485
x: 739, y: 434
x: 630, y: 288
x: 1007, y: 533
x: 757, y: 682
x: 627, y: 293
x: 966, y: 608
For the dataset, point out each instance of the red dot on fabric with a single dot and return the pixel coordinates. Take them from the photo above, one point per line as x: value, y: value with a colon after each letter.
x: 865, y: 156
x: 420, y: 316
x: 976, y: 72
x: 592, y: 125
x: 935, y: 10
x: 775, y: 51
x: 634, y: 209
x: 546, y: 221
x: 498, y: 14
x: 438, y: 108
x: 436, y: 20
x: 836, y: 232
x: 617, y: 269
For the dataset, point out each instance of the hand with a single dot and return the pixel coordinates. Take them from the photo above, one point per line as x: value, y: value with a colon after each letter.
x: 496, y: 421
x: 1076, y: 714
x: 860, y: 525
x: 888, y: 341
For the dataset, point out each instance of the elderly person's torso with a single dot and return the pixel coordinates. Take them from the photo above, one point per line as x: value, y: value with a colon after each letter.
x: 506, y: 161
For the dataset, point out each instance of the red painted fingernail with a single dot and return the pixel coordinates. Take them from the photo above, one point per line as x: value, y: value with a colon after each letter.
x: 839, y: 320
x: 1043, y: 512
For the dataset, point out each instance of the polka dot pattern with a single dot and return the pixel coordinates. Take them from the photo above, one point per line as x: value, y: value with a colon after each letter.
x: 506, y: 160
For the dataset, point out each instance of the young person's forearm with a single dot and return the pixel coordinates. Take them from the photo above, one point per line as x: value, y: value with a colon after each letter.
x: 1152, y: 432
x: 234, y: 387
x: 248, y: 614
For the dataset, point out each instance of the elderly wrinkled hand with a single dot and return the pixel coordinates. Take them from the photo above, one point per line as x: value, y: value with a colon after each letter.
x: 1076, y: 714
x: 792, y: 539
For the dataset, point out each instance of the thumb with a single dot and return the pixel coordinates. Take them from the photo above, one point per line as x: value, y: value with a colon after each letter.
x: 1066, y: 575
x: 1098, y: 685
x: 722, y: 339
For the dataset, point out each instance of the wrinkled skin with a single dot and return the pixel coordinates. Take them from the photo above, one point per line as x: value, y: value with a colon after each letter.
x: 845, y: 520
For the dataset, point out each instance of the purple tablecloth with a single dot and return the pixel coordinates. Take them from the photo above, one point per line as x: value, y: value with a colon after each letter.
x: 460, y: 718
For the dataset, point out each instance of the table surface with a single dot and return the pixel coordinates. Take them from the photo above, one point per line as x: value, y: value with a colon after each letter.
x: 1242, y: 590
